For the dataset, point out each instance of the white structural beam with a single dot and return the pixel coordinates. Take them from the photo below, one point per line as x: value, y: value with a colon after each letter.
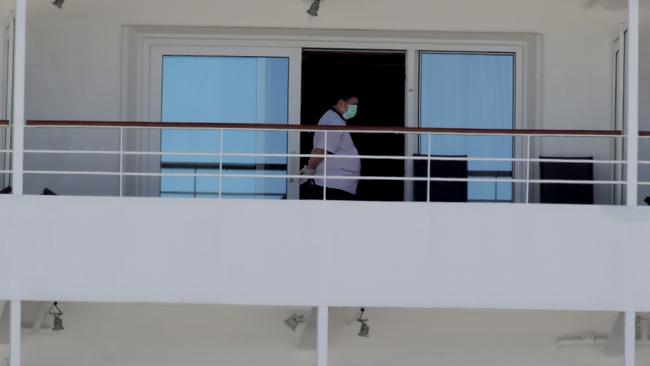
x: 14, y: 338
x: 322, y: 336
x: 632, y: 102
x: 20, y: 55
x: 630, y: 338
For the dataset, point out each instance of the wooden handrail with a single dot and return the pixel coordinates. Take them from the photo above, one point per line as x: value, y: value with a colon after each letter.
x: 254, y: 126
x: 4, y: 122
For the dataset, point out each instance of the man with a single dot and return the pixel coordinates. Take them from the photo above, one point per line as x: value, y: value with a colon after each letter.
x: 338, y: 143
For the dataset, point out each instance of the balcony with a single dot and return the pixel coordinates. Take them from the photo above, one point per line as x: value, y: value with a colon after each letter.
x: 248, y: 161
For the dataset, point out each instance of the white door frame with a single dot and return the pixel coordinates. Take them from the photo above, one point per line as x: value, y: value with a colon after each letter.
x: 519, y: 107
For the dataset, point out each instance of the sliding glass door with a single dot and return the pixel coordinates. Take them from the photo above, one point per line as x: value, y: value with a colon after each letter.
x: 228, y: 86
x: 471, y: 90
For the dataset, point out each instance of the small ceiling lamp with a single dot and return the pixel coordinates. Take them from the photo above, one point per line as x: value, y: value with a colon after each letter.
x: 56, y: 312
x: 294, y: 320
x: 313, y: 9
x: 58, y: 3
x: 365, y: 329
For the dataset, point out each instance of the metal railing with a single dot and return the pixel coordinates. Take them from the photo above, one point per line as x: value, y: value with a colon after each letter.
x: 644, y: 166
x: 223, y: 164
x: 5, y: 154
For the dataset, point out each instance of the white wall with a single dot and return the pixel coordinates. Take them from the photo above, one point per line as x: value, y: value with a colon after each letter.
x: 324, y: 253
x: 74, y: 54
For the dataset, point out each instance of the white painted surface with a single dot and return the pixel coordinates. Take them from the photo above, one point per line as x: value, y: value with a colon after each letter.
x: 630, y: 338
x: 312, y: 253
x: 632, y: 97
x: 322, y: 331
x: 76, y: 52
x: 19, y: 94
x: 15, y: 347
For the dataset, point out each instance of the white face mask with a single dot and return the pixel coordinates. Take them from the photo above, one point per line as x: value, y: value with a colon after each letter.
x: 352, y: 111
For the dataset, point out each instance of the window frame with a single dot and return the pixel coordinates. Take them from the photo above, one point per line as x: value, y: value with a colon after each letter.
x: 518, y: 145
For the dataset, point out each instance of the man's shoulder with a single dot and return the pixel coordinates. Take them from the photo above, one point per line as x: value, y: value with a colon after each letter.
x: 331, y: 118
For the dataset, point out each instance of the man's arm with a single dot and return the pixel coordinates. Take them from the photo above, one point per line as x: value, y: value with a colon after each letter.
x: 315, y: 160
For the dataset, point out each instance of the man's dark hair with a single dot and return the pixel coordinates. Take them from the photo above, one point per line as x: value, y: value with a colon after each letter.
x: 345, y: 97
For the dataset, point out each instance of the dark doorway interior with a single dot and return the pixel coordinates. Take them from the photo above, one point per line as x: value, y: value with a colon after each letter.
x: 378, y: 78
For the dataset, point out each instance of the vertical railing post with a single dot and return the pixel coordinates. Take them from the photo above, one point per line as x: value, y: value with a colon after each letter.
x: 221, y: 130
x: 527, y: 187
x: 632, y: 103
x: 196, y: 171
x: 14, y: 332
x: 325, y: 169
x: 18, y: 123
x: 322, y: 331
x: 429, y: 167
x: 121, y: 162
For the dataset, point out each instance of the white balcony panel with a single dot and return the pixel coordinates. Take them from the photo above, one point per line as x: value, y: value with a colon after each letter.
x: 324, y: 253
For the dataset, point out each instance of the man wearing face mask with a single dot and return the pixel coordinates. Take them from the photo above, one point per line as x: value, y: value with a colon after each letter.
x: 338, y: 143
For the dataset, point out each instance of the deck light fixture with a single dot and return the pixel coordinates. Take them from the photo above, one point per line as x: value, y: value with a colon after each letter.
x: 313, y: 9
x: 56, y: 312
x: 294, y: 320
x: 58, y: 3
x: 365, y: 329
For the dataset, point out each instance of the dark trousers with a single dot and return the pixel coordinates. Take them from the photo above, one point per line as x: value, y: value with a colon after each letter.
x: 315, y: 192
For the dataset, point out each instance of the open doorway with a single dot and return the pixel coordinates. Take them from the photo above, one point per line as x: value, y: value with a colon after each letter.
x: 378, y: 78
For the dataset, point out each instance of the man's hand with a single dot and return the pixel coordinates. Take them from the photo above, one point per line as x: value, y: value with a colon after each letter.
x: 305, y: 171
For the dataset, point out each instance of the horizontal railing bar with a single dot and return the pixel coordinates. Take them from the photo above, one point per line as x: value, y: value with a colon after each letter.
x: 311, y: 128
x: 216, y: 194
x: 4, y: 123
x: 217, y: 166
x: 489, y: 173
x: 331, y: 156
x: 283, y: 167
x: 283, y: 176
x: 72, y: 152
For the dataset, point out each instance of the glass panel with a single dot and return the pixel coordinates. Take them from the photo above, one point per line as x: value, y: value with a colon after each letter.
x: 225, y: 89
x: 470, y: 90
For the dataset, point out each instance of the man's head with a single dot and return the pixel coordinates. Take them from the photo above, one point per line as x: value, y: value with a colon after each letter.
x: 347, y: 106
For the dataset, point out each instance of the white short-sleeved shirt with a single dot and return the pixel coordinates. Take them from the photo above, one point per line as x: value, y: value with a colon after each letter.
x: 338, y: 143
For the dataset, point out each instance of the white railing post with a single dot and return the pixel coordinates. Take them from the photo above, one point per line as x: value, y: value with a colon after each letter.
x: 14, y: 332
x: 325, y: 169
x: 221, y: 130
x: 630, y: 338
x: 429, y: 167
x: 527, y: 188
x: 322, y: 331
x: 121, y: 161
x: 632, y: 103
x: 18, y: 122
